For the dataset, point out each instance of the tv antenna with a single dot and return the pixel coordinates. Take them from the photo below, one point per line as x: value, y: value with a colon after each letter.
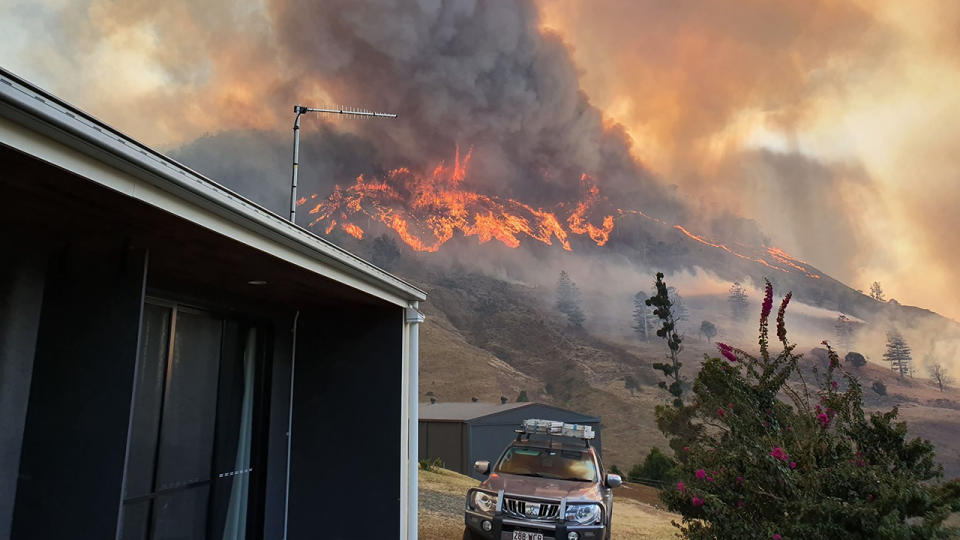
x: 300, y: 110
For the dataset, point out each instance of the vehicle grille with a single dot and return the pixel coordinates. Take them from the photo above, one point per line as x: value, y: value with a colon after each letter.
x: 539, y: 511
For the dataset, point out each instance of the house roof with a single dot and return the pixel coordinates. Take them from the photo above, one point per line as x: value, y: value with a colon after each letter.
x: 466, y: 411
x: 78, y: 142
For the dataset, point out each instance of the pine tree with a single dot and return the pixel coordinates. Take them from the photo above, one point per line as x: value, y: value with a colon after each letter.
x: 898, y: 354
x: 568, y: 300
x: 876, y: 292
x: 644, y: 321
x: 738, y: 301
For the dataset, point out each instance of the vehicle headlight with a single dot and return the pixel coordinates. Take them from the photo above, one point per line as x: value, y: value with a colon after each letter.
x: 583, y: 514
x: 484, y: 502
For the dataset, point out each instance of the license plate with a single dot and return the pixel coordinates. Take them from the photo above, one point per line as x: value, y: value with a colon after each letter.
x: 523, y: 535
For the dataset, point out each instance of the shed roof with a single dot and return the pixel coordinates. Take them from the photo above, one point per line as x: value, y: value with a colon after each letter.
x: 466, y: 411
x: 72, y: 138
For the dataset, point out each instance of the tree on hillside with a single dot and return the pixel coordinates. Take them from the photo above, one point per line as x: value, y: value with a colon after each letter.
x: 644, y: 321
x: 680, y: 312
x: 855, y: 359
x: 876, y: 292
x: 568, y: 299
x: 939, y: 375
x: 776, y: 458
x: 631, y: 383
x: 708, y: 330
x: 522, y: 397
x: 898, y: 354
x: 657, y: 469
x: 738, y: 301
x: 668, y: 331
x: 843, y: 329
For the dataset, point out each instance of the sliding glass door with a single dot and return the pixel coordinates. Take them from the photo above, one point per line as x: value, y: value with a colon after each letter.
x: 192, y: 437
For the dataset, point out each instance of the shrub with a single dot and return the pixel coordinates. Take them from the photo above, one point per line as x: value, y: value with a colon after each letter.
x: 855, y: 359
x: 879, y: 388
x: 616, y: 470
x: 431, y: 465
x: 657, y: 469
x: 767, y: 456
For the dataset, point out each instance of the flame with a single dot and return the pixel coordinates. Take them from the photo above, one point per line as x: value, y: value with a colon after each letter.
x: 428, y: 210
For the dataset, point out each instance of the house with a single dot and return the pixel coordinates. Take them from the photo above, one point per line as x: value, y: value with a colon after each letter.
x: 179, y: 362
x: 460, y: 434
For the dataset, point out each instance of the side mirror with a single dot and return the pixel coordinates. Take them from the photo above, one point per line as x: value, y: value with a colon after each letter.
x: 614, y: 480
x: 482, y: 467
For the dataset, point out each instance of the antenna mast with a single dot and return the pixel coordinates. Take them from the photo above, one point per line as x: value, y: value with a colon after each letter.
x: 300, y: 110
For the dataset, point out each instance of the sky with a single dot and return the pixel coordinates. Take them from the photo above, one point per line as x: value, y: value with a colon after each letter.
x: 831, y: 123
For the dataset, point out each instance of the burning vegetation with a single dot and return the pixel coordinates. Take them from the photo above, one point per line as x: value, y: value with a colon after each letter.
x: 428, y: 209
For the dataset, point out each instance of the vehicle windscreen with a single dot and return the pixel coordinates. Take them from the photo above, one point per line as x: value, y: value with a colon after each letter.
x: 548, y: 463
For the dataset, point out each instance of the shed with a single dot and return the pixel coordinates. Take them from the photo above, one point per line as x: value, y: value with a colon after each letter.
x: 461, y: 433
x: 167, y: 345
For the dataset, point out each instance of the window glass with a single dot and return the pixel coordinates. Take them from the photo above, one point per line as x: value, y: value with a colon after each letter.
x: 548, y: 463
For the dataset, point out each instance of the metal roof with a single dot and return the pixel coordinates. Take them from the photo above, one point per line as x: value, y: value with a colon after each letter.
x: 40, y: 112
x: 466, y: 411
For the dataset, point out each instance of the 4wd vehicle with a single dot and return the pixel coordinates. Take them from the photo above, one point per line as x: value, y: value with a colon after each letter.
x: 549, y: 484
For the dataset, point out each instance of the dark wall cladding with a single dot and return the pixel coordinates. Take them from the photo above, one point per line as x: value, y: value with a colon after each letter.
x: 346, y: 437
x: 73, y: 446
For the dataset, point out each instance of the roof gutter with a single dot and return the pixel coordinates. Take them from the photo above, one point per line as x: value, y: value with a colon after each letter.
x: 28, y: 105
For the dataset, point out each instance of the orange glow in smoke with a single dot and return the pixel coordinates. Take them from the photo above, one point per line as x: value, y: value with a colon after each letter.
x: 427, y: 210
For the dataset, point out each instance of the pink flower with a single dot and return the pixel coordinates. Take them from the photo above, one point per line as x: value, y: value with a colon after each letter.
x: 701, y: 474
x: 727, y: 352
x: 739, y: 504
x: 777, y: 537
x: 781, y: 326
x: 778, y: 453
x: 686, y: 448
x: 740, y: 480
x: 767, y: 302
x: 681, y: 487
x: 697, y: 501
x: 824, y: 420
x: 870, y: 497
x: 720, y: 412
x: 793, y: 464
x: 834, y: 385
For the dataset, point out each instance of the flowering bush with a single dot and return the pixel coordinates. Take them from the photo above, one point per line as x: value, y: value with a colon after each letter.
x: 762, y: 454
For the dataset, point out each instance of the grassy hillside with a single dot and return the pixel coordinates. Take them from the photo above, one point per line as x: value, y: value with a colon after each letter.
x: 487, y: 338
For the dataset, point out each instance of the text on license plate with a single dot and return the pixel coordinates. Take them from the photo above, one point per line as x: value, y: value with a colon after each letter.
x: 523, y: 535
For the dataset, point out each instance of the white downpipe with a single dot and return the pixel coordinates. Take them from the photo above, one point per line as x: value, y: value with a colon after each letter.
x: 413, y: 319
x: 293, y: 369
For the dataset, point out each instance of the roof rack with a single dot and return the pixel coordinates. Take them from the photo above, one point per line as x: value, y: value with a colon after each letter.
x: 554, y: 428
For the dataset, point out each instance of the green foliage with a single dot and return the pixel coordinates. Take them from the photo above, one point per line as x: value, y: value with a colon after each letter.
x: 657, y: 469
x: 522, y: 397
x: 770, y: 455
x: 568, y: 300
x: 431, y: 465
x: 668, y: 331
x: 631, y: 383
x: 879, y: 388
x: 616, y: 470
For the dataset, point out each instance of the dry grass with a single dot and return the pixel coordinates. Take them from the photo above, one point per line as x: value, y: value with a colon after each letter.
x: 442, y: 495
